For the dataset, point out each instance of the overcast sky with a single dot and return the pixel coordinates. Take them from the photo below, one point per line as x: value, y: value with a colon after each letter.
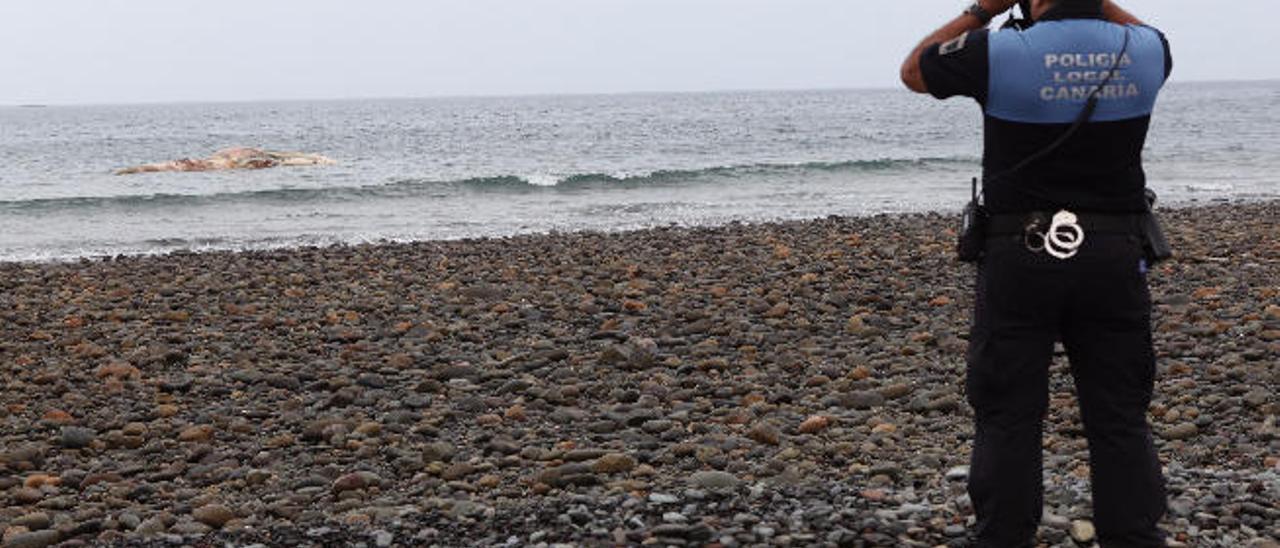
x: 112, y: 51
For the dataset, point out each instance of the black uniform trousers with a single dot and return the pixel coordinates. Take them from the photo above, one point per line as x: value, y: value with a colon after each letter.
x: 1097, y: 303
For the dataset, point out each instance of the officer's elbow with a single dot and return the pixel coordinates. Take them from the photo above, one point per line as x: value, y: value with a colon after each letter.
x: 912, y: 78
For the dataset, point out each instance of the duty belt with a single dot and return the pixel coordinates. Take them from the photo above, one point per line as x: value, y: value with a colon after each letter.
x: 1062, y: 234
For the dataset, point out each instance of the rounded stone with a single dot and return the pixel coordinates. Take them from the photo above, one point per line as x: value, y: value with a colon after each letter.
x: 199, y: 433
x: 613, y: 463
x: 27, y: 495
x: 213, y: 515
x: 34, y: 539
x: 34, y: 521
x: 76, y: 437
x: 1082, y: 531
x: 765, y: 433
x: 1181, y: 431
x: 814, y: 424
x: 715, y: 480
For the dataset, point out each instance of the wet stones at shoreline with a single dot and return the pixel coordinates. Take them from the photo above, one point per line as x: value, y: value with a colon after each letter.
x: 787, y: 383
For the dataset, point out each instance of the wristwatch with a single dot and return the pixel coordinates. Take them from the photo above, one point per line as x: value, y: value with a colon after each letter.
x: 980, y: 12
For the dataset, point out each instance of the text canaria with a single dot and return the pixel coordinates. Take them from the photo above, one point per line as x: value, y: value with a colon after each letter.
x: 1081, y: 93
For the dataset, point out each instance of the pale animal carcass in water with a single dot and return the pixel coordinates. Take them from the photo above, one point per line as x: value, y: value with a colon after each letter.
x: 234, y: 158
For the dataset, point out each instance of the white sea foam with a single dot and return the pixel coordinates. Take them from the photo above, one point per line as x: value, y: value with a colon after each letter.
x: 543, y: 179
x: 1210, y: 187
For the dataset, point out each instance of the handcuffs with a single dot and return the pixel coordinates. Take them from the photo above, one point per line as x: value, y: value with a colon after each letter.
x: 1063, y: 238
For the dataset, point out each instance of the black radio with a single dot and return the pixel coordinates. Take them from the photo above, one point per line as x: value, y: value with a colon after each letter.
x: 972, y: 237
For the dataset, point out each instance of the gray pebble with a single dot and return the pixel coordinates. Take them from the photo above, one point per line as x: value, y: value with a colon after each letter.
x: 715, y: 480
x: 76, y: 437
x: 663, y: 498
x: 34, y: 539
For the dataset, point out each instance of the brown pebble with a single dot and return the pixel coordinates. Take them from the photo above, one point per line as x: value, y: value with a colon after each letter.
x: 895, y: 391
x: 97, y: 477
x: 1205, y: 293
x: 369, y: 429
x: 213, y: 515
x: 351, y: 482
x: 1272, y: 312
x: 817, y: 380
x: 118, y: 371
x: 884, y: 428
x: 200, y: 433
x: 613, y: 463
x: 860, y: 373
x: 27, y: 495
x: 401, y: 361
x: 778, y: 310
x: 32, y: 539
x: 57, y: 416
x: 283, y: 440
x: 36, y: 481
x: 11, y: 532
x: 357, y: 519
x: 1181, y: 431
x: 458, y: 471
x: 814, y: 424
x: 765, y: 433
x: 857, y: 326
x: 515, y: 413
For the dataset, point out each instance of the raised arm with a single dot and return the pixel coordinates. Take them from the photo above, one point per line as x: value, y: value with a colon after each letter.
x: 1117, y: 14
x: 911, y: 75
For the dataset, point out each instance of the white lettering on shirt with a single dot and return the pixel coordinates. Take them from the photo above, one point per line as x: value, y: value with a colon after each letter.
x: 1075, y: 76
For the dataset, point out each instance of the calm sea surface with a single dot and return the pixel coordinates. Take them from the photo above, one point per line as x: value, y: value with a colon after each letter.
x: 451, y: 168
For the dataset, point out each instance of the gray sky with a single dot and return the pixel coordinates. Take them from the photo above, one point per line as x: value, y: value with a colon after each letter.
x: 111, y: 51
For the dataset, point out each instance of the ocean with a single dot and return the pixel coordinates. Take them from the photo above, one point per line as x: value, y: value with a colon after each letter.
x: 447, y: 168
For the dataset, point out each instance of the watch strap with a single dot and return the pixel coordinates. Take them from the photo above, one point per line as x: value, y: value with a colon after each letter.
x: 980, y: 12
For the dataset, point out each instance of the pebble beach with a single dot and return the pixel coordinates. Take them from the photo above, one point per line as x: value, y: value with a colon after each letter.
x: 780, y: 384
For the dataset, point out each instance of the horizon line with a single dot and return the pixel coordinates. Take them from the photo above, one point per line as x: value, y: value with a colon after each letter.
x: 524, y: 95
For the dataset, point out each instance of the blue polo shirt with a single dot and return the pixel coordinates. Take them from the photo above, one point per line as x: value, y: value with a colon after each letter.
x: 1033, y: 83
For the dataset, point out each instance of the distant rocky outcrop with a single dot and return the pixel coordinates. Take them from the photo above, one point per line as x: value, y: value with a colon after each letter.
x: 233, y: 158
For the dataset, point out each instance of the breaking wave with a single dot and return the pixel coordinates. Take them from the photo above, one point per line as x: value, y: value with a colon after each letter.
x: 426, y: 188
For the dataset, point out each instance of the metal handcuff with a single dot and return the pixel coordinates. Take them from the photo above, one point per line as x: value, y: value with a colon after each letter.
x: 1062, y: 240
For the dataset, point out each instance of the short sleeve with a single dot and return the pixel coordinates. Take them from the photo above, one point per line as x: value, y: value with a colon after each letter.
x: 957, y: 67
x: 1168, y: 56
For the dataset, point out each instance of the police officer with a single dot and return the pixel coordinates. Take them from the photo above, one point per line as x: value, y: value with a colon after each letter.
x: 1064, y: 188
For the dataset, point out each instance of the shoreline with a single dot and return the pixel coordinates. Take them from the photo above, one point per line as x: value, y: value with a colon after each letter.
x: 288, y: 247
x: 793, y: 381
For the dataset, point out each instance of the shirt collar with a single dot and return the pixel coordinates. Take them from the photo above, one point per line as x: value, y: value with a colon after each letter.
x: 1061, y: 11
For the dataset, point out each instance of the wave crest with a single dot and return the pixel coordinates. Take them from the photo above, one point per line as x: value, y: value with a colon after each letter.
x: 407, y: 188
